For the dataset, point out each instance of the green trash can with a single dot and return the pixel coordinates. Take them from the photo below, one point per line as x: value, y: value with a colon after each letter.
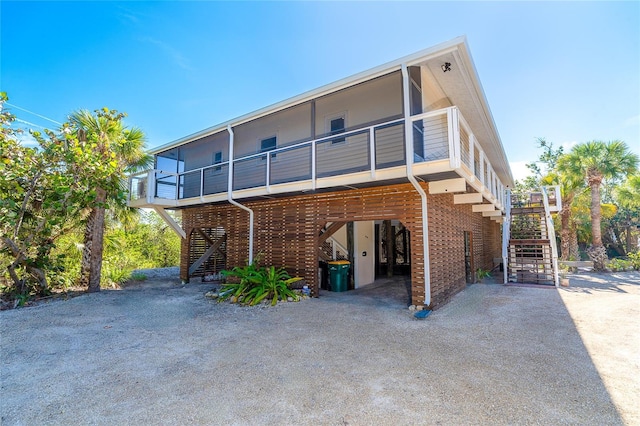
x: 339, y: 274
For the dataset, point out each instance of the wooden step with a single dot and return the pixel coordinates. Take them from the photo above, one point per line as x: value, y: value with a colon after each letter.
x: 529, y: 242
x: 526, y: 210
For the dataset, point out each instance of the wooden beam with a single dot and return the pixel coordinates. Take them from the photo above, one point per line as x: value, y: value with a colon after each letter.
x: 332, y: 229
x: 205, y: 236
x: 471, y: 198
x: 448, y: 186
x: 207, y: 254
x: 476, y: 208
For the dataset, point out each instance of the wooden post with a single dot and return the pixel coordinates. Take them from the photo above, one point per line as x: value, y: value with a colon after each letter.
x: 405, y: 251
x: 391, y: 247
x: 378, y: 267
x: 350, y: 248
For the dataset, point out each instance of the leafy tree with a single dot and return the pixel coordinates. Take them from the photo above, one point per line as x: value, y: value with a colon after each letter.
x: 547, y: 173
x: 595, y: 162
x: 569, y: 188
x: 145, y: 242
x: 547, y: 161
x: 627, y: 196
x: 123, y: 148
x: 43, y: 195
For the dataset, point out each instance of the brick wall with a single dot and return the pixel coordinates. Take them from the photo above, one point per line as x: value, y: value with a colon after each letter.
x: 447, y: 223
x: 287, y: 229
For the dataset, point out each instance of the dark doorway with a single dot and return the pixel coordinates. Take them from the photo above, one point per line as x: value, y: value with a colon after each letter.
x: 468, y: 257
x: 393, y: 249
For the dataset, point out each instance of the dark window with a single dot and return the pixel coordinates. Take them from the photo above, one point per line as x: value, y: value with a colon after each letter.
x: 171, y: 161
x: 217, y: 159
x: 268, y: 145
x: 337, y: 127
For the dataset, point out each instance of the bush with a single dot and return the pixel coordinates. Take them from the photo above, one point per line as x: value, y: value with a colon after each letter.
x: 634, y: 258
x: 482, y: 273
x: 619, y: 265
x: 113, y: 275
x: 138, y: 276
x: 255, y: 284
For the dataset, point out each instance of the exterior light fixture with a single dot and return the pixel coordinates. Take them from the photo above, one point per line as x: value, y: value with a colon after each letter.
x: 446, y: 67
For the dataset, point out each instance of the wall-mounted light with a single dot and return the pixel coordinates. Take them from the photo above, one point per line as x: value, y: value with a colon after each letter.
x: 446, y: 67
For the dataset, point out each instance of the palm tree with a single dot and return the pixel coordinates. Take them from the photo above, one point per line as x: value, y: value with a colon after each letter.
x: 594, y: 162
x: 117, y: 143
x: 628, y: 196
x: 569, y: 188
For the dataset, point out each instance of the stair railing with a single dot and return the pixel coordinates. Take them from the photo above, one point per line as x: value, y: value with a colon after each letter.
x: 506, y: 231
x: 335, y: 246
x: 552, y: 236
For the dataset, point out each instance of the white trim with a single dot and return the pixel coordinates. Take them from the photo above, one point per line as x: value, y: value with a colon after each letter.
x: 409, y: 150
x: 230, y: 193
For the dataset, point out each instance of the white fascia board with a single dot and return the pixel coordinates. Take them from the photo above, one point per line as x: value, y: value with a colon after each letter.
x: 389, y: 67
x: 465, y: 55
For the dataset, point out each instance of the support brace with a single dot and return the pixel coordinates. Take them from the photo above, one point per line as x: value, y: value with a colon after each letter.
x: 172, y: 223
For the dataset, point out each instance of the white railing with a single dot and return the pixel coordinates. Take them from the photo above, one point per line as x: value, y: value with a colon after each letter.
x: 438, y: 135
x: 536, y: 199
x: 506, y: 235
x: 552, y: 234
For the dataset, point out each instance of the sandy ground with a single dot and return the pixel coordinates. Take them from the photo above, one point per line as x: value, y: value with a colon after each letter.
x: 161, y: 353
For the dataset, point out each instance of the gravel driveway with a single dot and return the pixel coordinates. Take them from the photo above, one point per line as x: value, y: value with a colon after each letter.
x: 162, y: 353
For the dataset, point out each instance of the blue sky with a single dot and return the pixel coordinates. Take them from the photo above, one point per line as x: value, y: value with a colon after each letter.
x: 566, y: 71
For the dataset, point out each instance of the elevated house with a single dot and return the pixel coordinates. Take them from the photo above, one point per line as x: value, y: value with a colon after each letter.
x: 399, y: 169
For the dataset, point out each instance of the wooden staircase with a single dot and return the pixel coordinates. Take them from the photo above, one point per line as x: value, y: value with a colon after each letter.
x: 529, y: 247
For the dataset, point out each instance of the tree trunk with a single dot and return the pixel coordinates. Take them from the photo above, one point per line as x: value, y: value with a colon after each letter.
x: 614, y: 241
x: 20, y: 260
x: 97, y: 241
x: 596, y: 214
x: 574, y: 252
x: 85, y: 265
x: 565, y: 231
x: 630, y: 248
x: 597, y: 253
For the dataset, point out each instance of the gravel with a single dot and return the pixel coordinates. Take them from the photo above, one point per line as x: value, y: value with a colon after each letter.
x: 159, y: 352
x: 152, y: 274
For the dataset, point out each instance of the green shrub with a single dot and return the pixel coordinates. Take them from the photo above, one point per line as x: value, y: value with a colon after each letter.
x: 482, y: 273
x: 113, y: 275
x: 255, y: 284
x: 138, y: 276
x: 617, y: 265
x: 634, y: 258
